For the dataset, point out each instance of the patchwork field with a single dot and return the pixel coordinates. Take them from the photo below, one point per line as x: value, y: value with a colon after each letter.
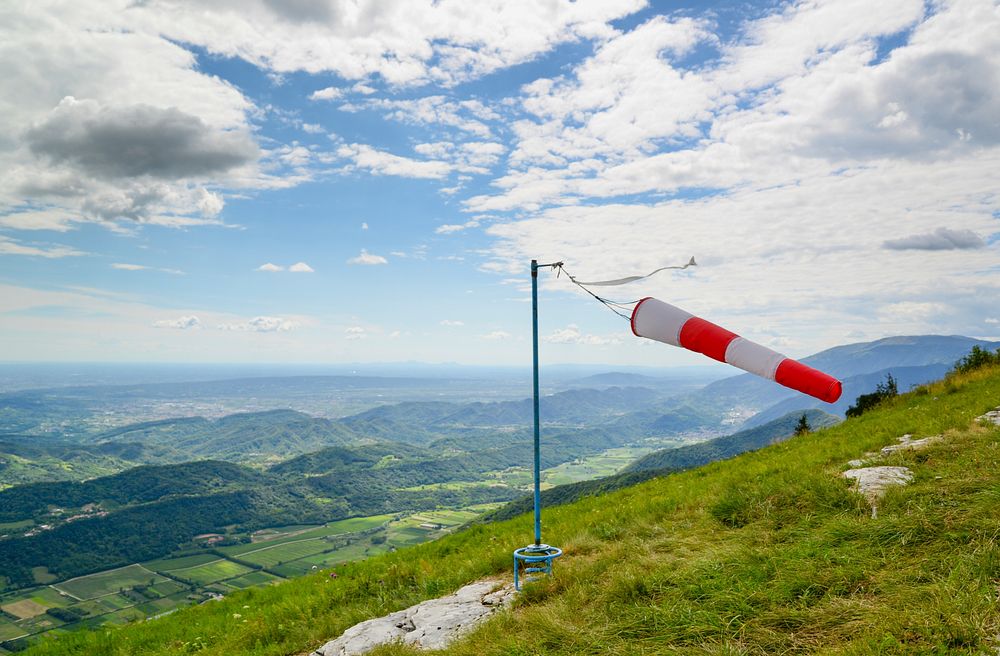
x: 102, y: 583
x: 9, y: 630
x: 24, y: 609
x: 216, y: 570
x: 170, y: 564
x: 111, y: 597
x: 252, y: 579
x: 603, y: 464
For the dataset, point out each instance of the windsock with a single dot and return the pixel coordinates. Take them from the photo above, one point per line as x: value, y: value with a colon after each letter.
x: 663, y: 322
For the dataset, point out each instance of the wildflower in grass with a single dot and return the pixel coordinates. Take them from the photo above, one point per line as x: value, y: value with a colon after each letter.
x: 236, y: 616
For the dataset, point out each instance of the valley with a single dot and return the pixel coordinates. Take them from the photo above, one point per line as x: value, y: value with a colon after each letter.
x: 108, y: 523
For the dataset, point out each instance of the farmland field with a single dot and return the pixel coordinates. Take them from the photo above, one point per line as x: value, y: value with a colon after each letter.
x: 9, y: 630
x: 23, y: 609
x: 96, y: 585
x: 252, y: 579
x: 169, y: 564
x: 602, y: 464
x: 286, y: 552
x: 213, y: 571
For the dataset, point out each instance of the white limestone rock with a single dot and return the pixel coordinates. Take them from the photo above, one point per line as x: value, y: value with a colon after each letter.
x: 432, y: 624
x: 907, y: 442
x: 993, y: 417
x: 873, y: 481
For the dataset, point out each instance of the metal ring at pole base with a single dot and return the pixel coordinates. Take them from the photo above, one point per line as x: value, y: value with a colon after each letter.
x: 535, y: 559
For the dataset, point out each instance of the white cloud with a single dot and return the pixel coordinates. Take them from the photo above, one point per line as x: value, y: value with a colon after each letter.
x: 399, y: 42
x: 262, y: 325
x: 10, y: 246
x: 452, y: 323
x: 992, y: 321
x: 364, y: 225
x: 466, y: 116
x: 128, y: 267
x: 366, y: 258
x: 497, y: 335
x: 313, y: 128
x: 301, y: 267
x: 355, y: 332
x: 571, y: 334
x: 183, y: 323
x: 271, y: 268
x: 326, y: 93
x: 378, y: 162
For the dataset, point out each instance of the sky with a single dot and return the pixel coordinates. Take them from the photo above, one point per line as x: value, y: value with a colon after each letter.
x: 367, y: 181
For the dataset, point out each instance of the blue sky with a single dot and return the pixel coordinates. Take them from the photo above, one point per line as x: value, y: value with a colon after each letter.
x: 341, y: 182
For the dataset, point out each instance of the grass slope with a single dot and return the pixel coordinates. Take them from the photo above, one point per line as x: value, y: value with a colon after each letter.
x: 769, y: 552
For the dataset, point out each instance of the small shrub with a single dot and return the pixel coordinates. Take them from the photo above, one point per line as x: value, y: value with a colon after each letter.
x: 976, y: 359
x: 866, y: 402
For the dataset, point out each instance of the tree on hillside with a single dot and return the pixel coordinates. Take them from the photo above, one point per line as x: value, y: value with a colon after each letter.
x: 977, y: 358
x: 803, y: 426
x: 866, y: 402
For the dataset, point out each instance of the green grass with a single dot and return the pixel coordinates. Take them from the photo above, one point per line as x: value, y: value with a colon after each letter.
x: 216, y: 570
x: 95, y: 585
x: 767, y: 553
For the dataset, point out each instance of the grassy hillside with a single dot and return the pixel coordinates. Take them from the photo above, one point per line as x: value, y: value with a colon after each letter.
x: 769, y: 552
x: 668, y: 461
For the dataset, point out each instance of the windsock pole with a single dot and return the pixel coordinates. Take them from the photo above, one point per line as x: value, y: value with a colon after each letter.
x: 534, y: 369
x: 535, y: 558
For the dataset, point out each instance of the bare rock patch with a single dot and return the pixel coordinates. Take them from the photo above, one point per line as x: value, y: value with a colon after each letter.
x: 873, y: 481
x: 993, y: 417
x: 431, y: 624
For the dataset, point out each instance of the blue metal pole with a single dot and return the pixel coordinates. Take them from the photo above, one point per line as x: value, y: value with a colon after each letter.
x: 534, y: 343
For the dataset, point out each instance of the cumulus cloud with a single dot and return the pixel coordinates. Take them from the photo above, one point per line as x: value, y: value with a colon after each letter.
x: 364, y: 225
x: 571, y: 334
x: 262, y: 325
x: 271, y: 268
x: 326, y: 93
x: 301, y: 267
x: 379, y: 162
x: 942, y: 239
x: 182, y: 323
x: 366, y: 258
x: 401, y: 43
x: 136, y: 140
x: 355, y: 332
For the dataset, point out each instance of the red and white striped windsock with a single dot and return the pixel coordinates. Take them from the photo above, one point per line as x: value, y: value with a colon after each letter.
x: 663, y: 322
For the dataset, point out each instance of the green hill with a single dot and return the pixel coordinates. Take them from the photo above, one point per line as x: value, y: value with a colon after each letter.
x: 769, y: 552
x: 668, y: 461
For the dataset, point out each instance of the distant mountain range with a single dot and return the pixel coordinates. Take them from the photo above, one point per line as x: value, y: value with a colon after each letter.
x: 638, y: 406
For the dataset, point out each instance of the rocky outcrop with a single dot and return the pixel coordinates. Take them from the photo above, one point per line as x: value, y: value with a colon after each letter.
x: 873, y: 481
x: 907, y: 442
x: 993, y: 417
x: 431, y: 624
